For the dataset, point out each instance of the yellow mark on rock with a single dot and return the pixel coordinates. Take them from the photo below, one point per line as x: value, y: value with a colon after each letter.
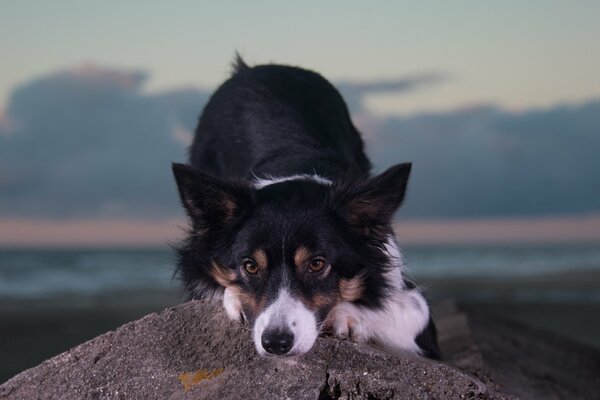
x: 191, y: 379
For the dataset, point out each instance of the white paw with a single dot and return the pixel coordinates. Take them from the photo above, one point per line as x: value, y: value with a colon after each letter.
x: 345, y: 324
x: 341, y: 328
x: 232, y: 304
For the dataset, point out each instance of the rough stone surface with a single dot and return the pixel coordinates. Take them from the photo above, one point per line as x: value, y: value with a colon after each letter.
x: 535, y: 364
x: 145, y: 359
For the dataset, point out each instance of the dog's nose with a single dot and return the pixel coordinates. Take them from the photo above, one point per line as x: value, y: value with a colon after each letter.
x: 277, y: 342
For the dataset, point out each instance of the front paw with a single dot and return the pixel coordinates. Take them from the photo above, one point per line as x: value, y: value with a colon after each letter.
x: 342, y: 328
x: 345, y: 325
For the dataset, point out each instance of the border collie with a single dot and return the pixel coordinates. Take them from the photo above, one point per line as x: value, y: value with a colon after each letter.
x: 288, y: 229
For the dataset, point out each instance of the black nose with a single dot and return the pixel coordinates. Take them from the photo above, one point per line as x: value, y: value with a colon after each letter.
x: 277, y: 342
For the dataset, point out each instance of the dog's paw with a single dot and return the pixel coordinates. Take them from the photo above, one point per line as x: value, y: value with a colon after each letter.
x: 232, y: 304
x: 345, y: 326
x: 342, y: 328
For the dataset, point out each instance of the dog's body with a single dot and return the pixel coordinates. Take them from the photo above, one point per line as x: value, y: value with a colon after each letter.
x: 287, y: 225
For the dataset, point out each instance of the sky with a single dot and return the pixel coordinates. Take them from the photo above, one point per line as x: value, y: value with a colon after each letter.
x: 515, y: 54
x: 497, y: 103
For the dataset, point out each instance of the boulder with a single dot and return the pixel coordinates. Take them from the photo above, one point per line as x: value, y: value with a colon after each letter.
x: 192, y: 351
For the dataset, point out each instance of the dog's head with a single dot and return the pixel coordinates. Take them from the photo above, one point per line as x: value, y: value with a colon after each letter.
x: 289, y: 251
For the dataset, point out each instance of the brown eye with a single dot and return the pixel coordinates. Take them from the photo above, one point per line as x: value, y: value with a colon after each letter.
x: 317, y: 264
x: 250, y: 266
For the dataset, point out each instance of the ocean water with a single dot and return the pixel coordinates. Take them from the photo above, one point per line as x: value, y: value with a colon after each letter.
x: 43, y: 273
x: 46, y: 273
x: 500, y: 260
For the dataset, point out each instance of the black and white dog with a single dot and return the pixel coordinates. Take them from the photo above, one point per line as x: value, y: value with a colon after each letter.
x: 287, y: 226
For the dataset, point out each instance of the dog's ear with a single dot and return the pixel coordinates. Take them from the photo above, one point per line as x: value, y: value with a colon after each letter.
x: 210, y: 201
x: 370, y: 204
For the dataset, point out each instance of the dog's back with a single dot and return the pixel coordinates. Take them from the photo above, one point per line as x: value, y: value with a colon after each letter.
x: 273, y: 120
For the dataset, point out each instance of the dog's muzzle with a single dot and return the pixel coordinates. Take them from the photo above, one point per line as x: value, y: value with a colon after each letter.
x: 286, y: 327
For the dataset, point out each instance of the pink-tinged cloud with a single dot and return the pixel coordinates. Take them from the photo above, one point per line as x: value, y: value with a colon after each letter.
x: 92, y: 73
x: 79, y: 233
x: 181, y: 134
x: 584, y: 229
x: 37, y: 232
x: 5, y: 123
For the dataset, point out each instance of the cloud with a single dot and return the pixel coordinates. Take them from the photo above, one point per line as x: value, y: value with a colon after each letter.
x: 355, y: 93
x: 88, y: 143
x: 91, y: 74
x: 489, y: 162
x: 6, y: 124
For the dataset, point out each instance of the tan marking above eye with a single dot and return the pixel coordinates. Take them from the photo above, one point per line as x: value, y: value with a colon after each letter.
x: 352, y: 289
x: 301, y: 257
x: 260, y: 257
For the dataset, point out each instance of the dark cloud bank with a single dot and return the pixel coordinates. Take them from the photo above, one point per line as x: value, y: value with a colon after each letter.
x: 89, y: 143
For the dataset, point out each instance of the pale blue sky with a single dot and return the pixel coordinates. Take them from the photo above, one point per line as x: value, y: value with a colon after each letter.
x: 516, y: 54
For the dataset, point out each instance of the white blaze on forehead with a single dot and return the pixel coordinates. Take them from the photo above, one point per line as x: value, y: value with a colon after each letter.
x: 289, y: 314
x: 260, y: 183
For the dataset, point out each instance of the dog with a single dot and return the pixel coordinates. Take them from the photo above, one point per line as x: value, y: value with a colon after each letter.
x: 287, y: 227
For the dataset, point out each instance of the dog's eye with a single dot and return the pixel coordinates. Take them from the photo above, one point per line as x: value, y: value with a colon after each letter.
x: 250, y: 266
x: 317, y: 264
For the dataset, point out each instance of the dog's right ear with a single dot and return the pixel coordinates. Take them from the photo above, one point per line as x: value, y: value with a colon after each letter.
x: 370, y: 204
x: 210, y: 201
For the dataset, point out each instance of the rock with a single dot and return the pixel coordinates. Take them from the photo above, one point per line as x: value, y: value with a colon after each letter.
x: 535, y: 364
x: 193, y: 351
x: 456, y: 340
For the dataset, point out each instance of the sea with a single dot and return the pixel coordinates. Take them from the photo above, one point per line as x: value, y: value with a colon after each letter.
x: 47, y: 273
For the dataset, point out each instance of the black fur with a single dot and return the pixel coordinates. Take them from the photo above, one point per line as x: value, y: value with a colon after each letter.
x: 276, y: 120
x: 427, y: 341
x: 273, y: 121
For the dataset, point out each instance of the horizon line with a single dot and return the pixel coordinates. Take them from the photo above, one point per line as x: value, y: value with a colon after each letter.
x: 123, y: 232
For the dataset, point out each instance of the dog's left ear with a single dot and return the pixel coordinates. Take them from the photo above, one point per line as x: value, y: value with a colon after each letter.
x: 373, y: 202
